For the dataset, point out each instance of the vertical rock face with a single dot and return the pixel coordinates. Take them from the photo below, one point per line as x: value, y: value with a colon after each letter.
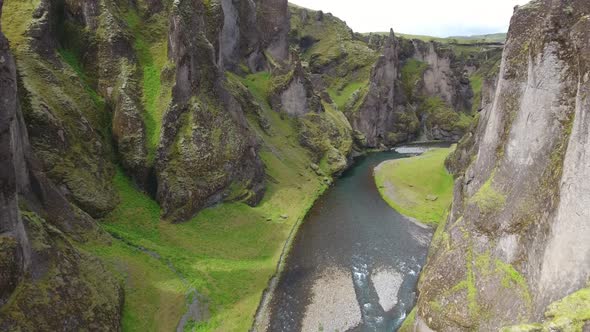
x: 382, y: 116
x: 416, y: 89
x: 15, y: 257
x: 516, y: 237
x: 294, y: 94
x: 273, y: 24
x: 63, y: 122
x: 206, y: 147
x: 444, y: 76
x: 239, y: 39
x: 44, y: 280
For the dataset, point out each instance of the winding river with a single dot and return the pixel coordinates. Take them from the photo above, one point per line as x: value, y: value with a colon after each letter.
x: 354, y: 263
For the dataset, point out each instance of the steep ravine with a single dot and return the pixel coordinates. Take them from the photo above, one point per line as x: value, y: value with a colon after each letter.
x: 203, y: 130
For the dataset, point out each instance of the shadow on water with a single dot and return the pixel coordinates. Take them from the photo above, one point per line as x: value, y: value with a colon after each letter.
x: 352, y: 231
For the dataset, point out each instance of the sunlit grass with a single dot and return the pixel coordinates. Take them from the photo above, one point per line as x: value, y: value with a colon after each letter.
x: 419, y: 187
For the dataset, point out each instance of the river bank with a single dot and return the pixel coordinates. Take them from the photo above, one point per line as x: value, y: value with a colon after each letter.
x: 419, y: 187
x: 353, y: 262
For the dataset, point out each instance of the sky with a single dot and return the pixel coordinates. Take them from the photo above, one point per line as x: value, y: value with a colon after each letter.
x: 440, y: 18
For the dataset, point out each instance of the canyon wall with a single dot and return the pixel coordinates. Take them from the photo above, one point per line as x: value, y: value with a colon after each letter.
x: 183, y: 105
x: 45, y: 280
x: 514, y: 247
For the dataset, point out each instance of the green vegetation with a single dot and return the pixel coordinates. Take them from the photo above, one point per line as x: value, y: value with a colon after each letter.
x: 150, y: 45
x: 488, y: 199
x: 440, y: 114
x: 332, y: 46
x: 258, y: 84
x: 476, y: 39
x: 412, y: 73
x: 568, y: 314
x: 476, y: 81
x: 72, y: 60
x: 342, y: 97
x: 15, y: 24
x: 512, y: 278
x: 419, y: 187
x: 408, y: 324
x: 227, y: 252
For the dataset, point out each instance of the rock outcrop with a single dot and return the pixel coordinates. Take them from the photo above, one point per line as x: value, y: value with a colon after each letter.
x: 382, y: 117
x: 206, y: 149
x: 239, y: 39
x: 46, y: 283
x: 273, y: 24
x: 417, y: 90
x: 294, y: 95
x: 516, y: 237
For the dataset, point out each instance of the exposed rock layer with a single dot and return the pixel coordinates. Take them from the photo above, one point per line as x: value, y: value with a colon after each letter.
x: 516, y: 236
x: 46, y: 283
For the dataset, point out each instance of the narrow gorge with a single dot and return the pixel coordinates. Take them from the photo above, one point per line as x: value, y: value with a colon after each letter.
x: 181, y: 164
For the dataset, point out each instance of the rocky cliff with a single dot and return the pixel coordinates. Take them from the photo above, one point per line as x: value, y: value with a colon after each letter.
x: 514, y: 248
x: 107, y: 100
x: 137, y: 117
x: 45, y: 280
x: 420, y: 90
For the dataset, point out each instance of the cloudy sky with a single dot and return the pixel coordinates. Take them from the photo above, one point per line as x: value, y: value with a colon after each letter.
x: 440, y: 18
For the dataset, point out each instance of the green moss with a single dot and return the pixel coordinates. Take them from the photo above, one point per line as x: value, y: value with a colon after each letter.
x: 342, y: 96
x: 227, y: 252
x: 150, y: 45
x: 472, y: 303
x: 488, y: 199
x: 511, y: 278
x: 571, y: 313
x: 440, y: 114
x: 333, y: 48
x: 408, y: 324
x: 403, y: 184
x: 476, y: 82
x: 412, y: 74
x: 483, y: 263
x: 17, y: 15
x: 69, y: 57
x: 259, y: 85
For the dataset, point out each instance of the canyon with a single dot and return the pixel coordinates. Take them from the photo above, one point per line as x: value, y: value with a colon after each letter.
x: 158, y: 158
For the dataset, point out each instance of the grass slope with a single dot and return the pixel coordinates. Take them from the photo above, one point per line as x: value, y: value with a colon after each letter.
x: 405, y: 184
x: 227, y: 252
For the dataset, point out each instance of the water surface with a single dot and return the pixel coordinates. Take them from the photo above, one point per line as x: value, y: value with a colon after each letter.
x: 354, y: 263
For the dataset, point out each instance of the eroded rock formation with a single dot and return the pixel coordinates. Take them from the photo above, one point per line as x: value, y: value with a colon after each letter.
x: 206, y: 145
x: 516, y: 237
x: 44, y: 279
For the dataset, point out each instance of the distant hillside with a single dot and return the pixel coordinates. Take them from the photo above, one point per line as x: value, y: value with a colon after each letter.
x: 475, y: 39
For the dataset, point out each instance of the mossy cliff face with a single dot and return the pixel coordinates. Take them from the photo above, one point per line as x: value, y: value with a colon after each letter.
x: 339, y: 62
x: 516, y: 237
x: 46, y: 282
x: 293, y: 93
x: 206, y: 145
x: 420, y: 90
x: 64, y: 116
x: 382, y: 117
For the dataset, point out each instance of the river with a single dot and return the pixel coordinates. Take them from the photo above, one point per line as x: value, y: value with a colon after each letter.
x: 354, y: 263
